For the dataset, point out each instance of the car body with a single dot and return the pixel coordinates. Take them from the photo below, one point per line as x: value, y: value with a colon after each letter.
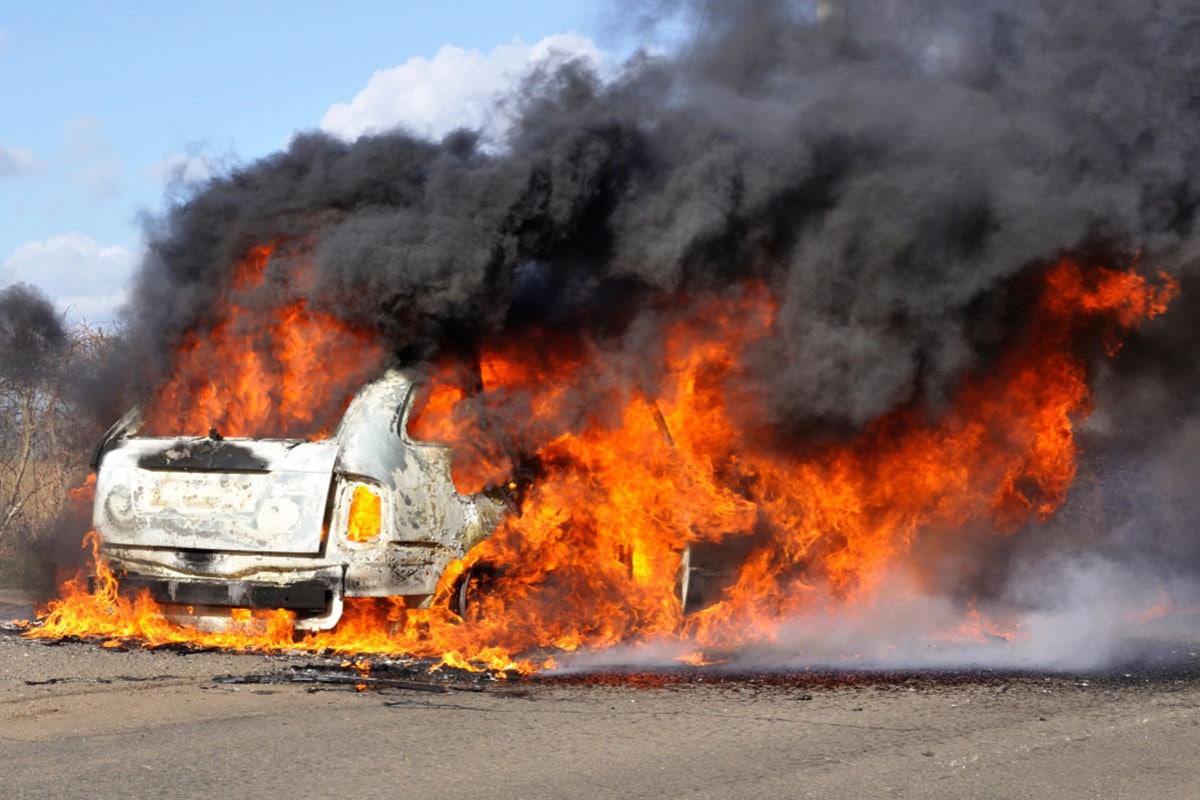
x: 208, y: 524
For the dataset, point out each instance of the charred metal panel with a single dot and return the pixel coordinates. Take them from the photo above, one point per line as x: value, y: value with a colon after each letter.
x: 426, y: 507
x: 156, y: 493
x: 264, y: 567
x: 397, y: 570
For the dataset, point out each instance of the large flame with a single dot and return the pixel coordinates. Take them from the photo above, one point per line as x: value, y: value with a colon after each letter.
x: 638, y: 460
x: 282, y: 370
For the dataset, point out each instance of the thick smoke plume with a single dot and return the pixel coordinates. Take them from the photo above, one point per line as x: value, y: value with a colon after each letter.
x: 893, y: 172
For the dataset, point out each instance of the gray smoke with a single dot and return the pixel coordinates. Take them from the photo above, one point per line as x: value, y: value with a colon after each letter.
x: 31, y: 335
x: 892, y: 174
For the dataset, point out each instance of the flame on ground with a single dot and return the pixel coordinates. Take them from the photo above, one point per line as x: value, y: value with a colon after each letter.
x: 642, y: 461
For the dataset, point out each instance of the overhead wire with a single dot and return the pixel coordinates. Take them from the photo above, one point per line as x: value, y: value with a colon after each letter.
x: 687, y: 72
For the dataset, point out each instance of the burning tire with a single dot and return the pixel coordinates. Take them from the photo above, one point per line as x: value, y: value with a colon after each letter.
x: 471, y: 588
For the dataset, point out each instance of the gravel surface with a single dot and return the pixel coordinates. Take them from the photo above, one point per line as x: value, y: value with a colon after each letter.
x: 80, y: 719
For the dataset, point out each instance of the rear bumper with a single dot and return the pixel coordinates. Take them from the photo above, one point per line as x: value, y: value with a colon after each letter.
x: 182, y: 581
x: 307, y: 596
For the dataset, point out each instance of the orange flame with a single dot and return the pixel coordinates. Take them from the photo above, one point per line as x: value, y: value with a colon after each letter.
x: 627, y: 478
x: 84, y: 495
x: 283, y: 371
x: 104, y: 613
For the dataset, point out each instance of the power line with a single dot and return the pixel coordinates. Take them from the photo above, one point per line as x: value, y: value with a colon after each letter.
x: 687, y: 72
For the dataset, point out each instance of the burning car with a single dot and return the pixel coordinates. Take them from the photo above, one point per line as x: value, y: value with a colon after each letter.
x: 211, y: 523
x: 668, y: 513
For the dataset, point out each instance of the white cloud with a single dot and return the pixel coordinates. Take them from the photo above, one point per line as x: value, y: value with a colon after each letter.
x: 18, y: 161
x: 82, y: 277
x: 96, y: 166
x: 456, y: 88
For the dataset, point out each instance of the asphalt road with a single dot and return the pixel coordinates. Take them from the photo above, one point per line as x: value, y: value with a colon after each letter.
x: 78, y: 720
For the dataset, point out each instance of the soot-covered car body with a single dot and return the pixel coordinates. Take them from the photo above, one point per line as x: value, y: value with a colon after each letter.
x: 211, y: 523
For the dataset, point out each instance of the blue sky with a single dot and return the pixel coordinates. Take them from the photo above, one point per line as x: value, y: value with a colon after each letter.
x: 105, y: 102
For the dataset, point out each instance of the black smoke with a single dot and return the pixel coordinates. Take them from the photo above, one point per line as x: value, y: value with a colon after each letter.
x: 888, y: 181
x: 892, y: 175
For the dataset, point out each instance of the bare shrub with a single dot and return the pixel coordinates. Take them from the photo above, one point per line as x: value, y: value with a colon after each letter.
x: 45, y: 434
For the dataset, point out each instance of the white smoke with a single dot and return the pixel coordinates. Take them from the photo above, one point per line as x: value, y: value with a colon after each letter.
x: 1086, y: 614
